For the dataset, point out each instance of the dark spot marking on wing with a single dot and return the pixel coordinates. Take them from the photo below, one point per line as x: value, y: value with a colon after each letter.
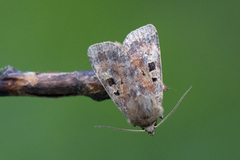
x: 111, y: 81
x: 121, y: 81
x: 151, y: 66
x: 154, y: 79
x: 117, y: 93
x: 143, y: 73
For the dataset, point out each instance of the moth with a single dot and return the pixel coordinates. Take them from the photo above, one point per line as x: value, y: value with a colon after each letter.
x: 132, y: 76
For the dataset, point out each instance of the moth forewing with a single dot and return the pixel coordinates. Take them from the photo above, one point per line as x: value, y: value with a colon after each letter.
x: 108, y: 63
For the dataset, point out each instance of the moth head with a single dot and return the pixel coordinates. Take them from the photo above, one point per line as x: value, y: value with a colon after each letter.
x: 150, y: 129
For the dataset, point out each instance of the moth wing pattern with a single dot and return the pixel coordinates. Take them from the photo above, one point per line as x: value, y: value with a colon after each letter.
x: 131, y: 74
x: 108, y: 62
x: 143, y: 48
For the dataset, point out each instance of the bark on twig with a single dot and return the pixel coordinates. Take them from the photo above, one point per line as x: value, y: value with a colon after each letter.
x: 53, y: 85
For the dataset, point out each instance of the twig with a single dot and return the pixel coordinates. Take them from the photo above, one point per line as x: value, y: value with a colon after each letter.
x: 53, y: 85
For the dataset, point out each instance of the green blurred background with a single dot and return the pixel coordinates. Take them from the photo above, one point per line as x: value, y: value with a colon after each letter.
x: 200, y: 47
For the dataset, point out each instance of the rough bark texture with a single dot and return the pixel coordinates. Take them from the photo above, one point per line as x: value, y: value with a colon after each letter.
x: 53, y: 85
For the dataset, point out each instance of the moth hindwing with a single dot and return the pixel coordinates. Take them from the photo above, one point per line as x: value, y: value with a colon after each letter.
x: 132, y: 75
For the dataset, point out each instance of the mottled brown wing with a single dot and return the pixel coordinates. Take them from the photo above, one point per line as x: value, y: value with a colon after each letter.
x: 109, y: 64
x: 142, y: 46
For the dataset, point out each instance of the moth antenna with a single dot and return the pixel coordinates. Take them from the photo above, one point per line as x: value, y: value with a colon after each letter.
x: 129, y: 130
x: 173, y: 89
x: 174, y: 107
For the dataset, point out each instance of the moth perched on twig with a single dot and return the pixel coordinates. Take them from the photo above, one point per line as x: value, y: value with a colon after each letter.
x: 132, y: 76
